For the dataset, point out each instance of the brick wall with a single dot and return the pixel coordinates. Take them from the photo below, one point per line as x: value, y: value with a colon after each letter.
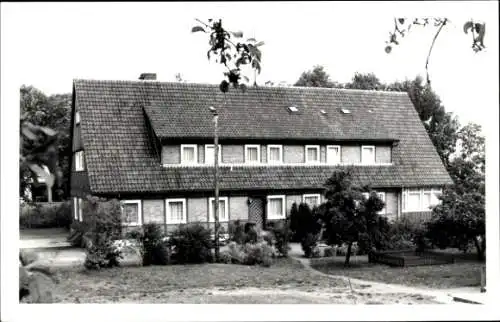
x: 171, y: 154
x: 197, y: 209
x: 351, y: 153
x: 233, y: 153
x: 153, y: 211
x: 391, y: 203
x: 293, y: 154
x: 238, y: 208
x: 383, y: 154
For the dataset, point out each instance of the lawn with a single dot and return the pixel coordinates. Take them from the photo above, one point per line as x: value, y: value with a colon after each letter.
x: 460, y: 274
x: 285, y: 282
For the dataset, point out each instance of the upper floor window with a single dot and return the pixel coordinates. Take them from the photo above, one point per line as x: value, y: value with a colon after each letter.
x: 176, y: 211
x: 274, y: 153
x: 333, y: 154
x: 210, y: 154
x: 252, y: 153
x: 367, y: 154
x: 189, y: 153
x: 77, y: 118
x: 223, y: 211
x: 79, y: 161
x: 312, y: 153
x: 312, y: 199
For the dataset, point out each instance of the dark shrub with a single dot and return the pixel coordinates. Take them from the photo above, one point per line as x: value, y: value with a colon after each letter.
x: 225, y: 257
x: 251, y: 235
x: 192, y: 244
x: 155, y: 250
x: 281, y: 232
x: 330, y: 252
x: 237, y: 232
x: 309, y: 243
x: 104, y: 224
x: 80, y: 234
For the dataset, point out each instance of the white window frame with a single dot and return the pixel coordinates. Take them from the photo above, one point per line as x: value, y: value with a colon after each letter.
x: 139, y: 212
x: 312, y: 195
x: 80, y: 209
x: 363, y: 147
x: 307, y: 147
x: 338, y: 155
x: 75, y: 206
x: 211, y: 217
x: 167, y: 211
x: 79, y: 160
x: 421, y: 191
x: 195, y: 147
x: 283, y: 207
x: 77, y: 118
x: 248, y: 146
x: 207, y: 146
x: 275, y: 146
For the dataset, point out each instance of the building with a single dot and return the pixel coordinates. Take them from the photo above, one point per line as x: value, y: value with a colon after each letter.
x: 150, y: 144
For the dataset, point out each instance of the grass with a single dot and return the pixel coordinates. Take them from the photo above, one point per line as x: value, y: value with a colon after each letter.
x: 128, y: 283
x: 460, y: 274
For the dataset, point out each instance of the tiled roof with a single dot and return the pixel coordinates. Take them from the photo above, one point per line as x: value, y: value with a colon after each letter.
x: 121, y: 158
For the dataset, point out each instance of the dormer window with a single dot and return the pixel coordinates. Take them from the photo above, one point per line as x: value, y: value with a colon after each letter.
x: 345, y: 111
x: 274, y: 153
x: 312, y: 153
x: 293, y: 109
x: 368, y: 154
x: 77, y: 118
x: 189, y: 154
x: 252, y: 153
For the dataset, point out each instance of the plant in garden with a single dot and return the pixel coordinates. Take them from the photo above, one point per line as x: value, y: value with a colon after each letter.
x: 280, y: 235
x: 192, y: 244
x: 347, y: 214
x: 309, y: 243
x: 402, y: 27
x: 154, y: 248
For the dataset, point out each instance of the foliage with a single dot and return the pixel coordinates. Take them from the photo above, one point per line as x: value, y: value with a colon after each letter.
x: 45, y: 138
x: 348, y: 216
x: 309, y: 243
x: 33, y: 278
x: 225, y: 257
x: 402, y: 27
x: 280, y: 232
x: 317, y: 77
x: 304, y: 221
x: 460, y: 218
x: 252, y: 254
x: 330, y: 251
x: 365, y: 81
x: 80, y: 234
x: 153, y: 246
x: 42, y: 215
x: 237, y: 231
x: 103, y: 219
x: 192, y: 244
x: 229, y: 54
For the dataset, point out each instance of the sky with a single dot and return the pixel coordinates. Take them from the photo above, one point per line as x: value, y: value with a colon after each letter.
x: 53, y: 43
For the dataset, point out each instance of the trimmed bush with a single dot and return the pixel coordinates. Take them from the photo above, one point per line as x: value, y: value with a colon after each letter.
x: 280, y: 236
x: 153, y: 246
x: 45, y: 215
x: 309, y: 243
x: 252, y: 254
x: 192, y: 244
x: 80, y: 234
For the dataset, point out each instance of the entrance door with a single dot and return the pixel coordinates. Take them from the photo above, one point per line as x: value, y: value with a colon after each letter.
x: 256, y: 212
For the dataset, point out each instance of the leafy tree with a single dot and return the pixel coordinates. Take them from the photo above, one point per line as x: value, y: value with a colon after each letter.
x: 460, y: 218
x: 402, y: 27
x: 317, y: 77
x: 233, y: 57
x: 347, y: 215
x: 365, y: 81
x: 53, y: 114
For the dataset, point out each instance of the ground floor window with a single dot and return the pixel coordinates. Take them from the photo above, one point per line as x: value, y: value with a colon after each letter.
x: 131, y: 212
x: 420, y: 199
x: 176, y: 211
x: 276, y: 207
x: 313, y: 200
x: 223, y: 209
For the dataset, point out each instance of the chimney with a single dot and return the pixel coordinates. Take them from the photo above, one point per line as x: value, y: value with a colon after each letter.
x: 148, y: 76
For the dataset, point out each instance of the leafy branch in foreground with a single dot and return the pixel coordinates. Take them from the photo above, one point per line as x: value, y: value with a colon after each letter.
x: 230, y: 54
x: 402, y: 27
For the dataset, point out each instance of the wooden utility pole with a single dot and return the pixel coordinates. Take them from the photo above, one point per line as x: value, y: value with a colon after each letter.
x: 216, y: 181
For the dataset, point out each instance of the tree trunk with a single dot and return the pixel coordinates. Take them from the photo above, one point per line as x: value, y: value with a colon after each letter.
x: 348, y: 255
x: 480, y: 247
x: 49, y: 192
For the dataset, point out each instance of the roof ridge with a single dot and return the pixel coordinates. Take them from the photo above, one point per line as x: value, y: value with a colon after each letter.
x: 290, y: 88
